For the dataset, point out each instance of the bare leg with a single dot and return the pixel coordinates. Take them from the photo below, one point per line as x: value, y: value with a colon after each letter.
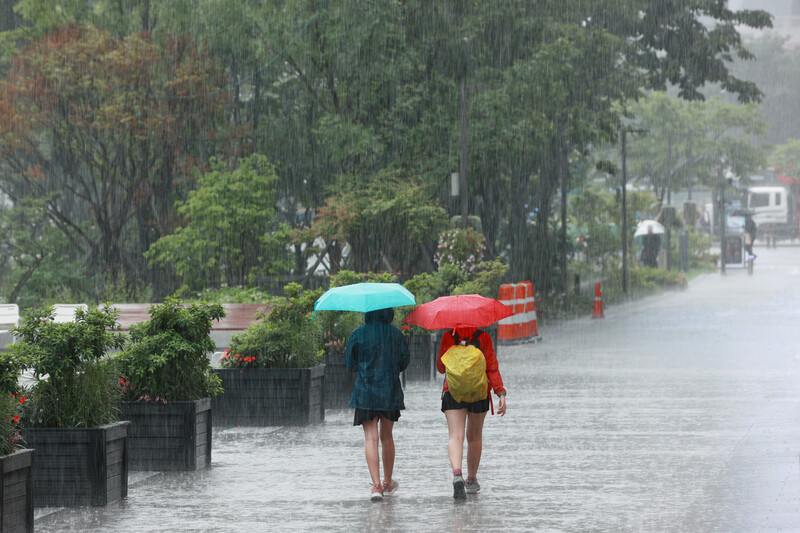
x: 387, y: 448
x: 456, y: 422
x: 474, y: 442
x: 371, y: 450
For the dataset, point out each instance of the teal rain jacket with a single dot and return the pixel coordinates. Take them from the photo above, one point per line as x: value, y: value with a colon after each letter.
x: 378, y: 352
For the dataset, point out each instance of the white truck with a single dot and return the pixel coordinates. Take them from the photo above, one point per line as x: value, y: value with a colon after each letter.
x: 774, y: 212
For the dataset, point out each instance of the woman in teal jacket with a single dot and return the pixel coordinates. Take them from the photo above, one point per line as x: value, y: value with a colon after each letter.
x: 378, y: 352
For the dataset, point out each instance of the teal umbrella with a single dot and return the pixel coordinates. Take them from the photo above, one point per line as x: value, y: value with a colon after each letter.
x: 364, y: 297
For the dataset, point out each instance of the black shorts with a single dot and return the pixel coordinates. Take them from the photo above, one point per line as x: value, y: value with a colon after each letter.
x: 449, y: 403
x: 365, y: 415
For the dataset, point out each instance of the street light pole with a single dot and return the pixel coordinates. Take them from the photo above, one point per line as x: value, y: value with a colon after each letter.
x: 721, y: 214
x: 624, y: 215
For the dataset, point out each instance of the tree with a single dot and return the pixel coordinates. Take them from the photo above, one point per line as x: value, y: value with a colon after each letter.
x: 391, y: 223
x: 230, y: 236
x: 109, y: 125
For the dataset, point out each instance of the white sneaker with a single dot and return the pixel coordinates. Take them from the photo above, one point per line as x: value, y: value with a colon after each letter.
x: 377, y: 493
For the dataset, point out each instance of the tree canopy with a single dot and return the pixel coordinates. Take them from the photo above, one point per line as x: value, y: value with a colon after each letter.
x: 122, y: 119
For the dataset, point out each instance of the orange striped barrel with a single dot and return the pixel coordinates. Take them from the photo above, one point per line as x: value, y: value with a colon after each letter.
x: 505, y: 328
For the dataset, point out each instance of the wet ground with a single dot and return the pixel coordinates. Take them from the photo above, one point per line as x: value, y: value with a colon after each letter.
x: 679, y: 412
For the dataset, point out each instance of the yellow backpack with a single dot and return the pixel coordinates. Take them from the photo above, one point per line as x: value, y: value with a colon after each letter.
x: 466, y: 373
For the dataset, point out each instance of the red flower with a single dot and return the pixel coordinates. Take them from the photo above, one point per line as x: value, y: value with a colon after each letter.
x: 16, y: 418
x: 22, y: 400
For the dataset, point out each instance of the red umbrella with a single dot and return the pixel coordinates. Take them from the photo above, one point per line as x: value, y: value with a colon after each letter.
x: 464, y: 310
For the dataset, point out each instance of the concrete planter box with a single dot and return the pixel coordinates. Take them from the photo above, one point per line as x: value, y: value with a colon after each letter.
x: 169, y: 436
x: 339, y: 382
x: 79, y: 466
x: 270, y: 397
x: 16, y: 492
x: 422, y: 360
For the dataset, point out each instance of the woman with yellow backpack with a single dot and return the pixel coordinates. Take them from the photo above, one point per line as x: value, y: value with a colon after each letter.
x: 467, y: 358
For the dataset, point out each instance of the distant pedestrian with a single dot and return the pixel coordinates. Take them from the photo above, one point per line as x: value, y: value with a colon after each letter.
x: 378, y: 352
x: 749, y: 235
x: 651, y: 245
x: 467, y: 417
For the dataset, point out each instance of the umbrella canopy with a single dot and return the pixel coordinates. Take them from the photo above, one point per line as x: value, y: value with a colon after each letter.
x: 465, y: 310
x: 643, y: 227
x: 364, y: 297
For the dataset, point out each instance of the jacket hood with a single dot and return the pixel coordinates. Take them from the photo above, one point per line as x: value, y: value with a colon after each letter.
x: 380, y: 315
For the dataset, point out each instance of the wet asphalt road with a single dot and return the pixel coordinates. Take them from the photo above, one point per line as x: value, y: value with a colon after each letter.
x: 679, y: 412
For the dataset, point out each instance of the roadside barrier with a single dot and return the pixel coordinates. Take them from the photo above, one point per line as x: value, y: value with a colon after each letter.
x: 522, y: 325
x: 598, y: 303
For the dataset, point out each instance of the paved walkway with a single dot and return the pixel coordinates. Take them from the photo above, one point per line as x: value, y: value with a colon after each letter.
x: 674, y: 413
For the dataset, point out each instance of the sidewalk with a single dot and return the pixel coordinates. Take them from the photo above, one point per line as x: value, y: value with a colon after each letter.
x: 664, y: 416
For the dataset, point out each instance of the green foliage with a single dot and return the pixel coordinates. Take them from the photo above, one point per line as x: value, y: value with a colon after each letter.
x: 645, y: 279
x: 389, y: 221
x: 700, y: 250
x: 363, y: 87
x: 348, y: 277
x: 168, y: 356
x: 285, y: 338
x: 226, y: 295
x: 11, y: 403
x: 484, y: 279
x: 106, y: 138
x: 90, y: 399
x: 10, y: 368
x: 428, y: 286
x: 685, y: 140
x: 785, y: 158
x: 463, y: 247
x: 10, y: 411
x: 231, y: 236
x: 74, y: 380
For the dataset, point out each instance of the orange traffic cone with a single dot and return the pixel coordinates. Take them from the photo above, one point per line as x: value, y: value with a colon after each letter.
x: 598, y: 303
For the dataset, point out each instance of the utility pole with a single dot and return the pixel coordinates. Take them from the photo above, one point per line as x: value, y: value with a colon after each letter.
x: 624, y: 214
x: 721, y: 214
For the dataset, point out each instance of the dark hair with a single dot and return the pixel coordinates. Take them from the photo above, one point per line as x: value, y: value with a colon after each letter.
x: 380, y: 315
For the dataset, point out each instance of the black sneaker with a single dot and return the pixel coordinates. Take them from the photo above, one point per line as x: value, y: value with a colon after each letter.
x: 458, y: 488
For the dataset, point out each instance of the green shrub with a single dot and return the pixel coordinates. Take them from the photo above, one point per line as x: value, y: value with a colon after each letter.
x: 75, y: 384
x: 167, y: 359
x: 285, y: 338
x: 11, y: 404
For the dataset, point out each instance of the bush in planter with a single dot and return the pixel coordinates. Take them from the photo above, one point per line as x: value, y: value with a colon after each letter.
x: 12, y: 401
x: 67, y: 418
x: 167, y: 357
x: 272, y: 373
x: 75, y: 384
x: 285, y: 338
x: 16, y: 464
x: 167, y: 382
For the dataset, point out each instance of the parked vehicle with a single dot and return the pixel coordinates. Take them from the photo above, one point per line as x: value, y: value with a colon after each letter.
x: 775, y: 211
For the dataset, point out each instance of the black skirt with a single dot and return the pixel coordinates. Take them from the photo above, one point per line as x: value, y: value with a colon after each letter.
x: 449, y: 403
x: 365, y: 415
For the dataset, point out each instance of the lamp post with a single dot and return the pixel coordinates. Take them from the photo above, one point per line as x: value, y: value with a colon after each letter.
x: 721, y: 214
x: 624, y: 155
